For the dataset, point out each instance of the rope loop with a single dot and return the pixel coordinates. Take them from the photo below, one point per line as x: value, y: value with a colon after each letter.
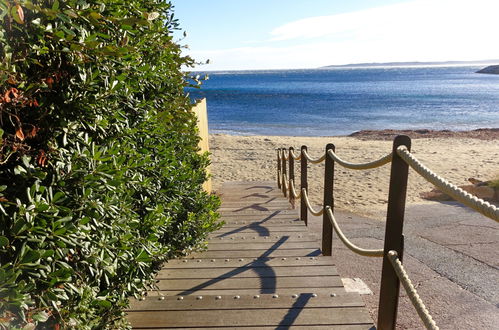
x: 284, y: 154
x: 307, y: 202
x: 314, y: 160
x: 360, y: 166
x: 347, y: 242
x: 293, y: 191
x: 295, y: 156
x: 448, y: 188
x: 411, y: 291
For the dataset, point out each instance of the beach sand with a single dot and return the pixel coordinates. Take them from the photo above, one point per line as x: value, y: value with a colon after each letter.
x: 365, y: 192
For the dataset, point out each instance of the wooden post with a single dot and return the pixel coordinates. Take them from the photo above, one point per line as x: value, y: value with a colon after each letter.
x: 291, y: 161
x: 390, y: 284
x: 279, y: 175
x: 303, y: 184
x: 327, y: 227
x: 202, y: 116
x: 284, y: 172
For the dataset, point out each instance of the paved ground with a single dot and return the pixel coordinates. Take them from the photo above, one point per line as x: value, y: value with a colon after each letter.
x: 451, y: 256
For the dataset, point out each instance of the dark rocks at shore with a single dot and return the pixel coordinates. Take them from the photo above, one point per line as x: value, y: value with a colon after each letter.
x: 390, y: 134
x: 491, y: 69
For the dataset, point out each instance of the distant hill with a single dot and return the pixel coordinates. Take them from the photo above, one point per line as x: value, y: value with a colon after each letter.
x: 406, y: 64
x: 492, y: 69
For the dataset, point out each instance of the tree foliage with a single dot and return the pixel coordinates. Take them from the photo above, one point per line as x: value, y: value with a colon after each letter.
x: 100, y: 176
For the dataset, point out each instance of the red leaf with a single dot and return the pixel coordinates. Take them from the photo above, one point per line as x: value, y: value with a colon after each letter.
x: 20, y: 134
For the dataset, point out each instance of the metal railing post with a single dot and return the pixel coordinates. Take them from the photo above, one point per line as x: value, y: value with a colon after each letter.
x: 284, y: 172
x: 390, y: 284
x: 291, y: 161
x: 303, y: 184
x: 327, y: 227
x: 279, y: 168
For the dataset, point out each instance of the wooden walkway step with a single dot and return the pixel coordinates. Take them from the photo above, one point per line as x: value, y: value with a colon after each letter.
x: 262, y: 270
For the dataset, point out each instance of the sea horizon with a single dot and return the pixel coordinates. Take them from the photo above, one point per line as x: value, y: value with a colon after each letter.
x: 342, y: 100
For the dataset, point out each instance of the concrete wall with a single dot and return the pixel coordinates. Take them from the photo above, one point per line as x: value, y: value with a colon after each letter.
x: 201, y: 112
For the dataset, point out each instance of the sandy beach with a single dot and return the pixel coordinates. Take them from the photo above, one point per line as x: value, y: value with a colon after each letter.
x: 456, y: 157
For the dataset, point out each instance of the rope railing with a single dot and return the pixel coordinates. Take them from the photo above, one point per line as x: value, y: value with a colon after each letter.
x: 393, y: 270
x: 294, y: 156
x: 309, y: 206
x: 347, y: 242
x: 314, y: 160
x: 293, y: 191
x: 450, y: 189
x: 360, y: 166
x: 411, y: 291
x: 285, y: 182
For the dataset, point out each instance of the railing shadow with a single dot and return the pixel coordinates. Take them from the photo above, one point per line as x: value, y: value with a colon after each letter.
x: 256, y: 206
x: 294, y: 311
x: 256, y: 226
x: 269, y: 188
x: 255, y: 195
x: 267, y: 278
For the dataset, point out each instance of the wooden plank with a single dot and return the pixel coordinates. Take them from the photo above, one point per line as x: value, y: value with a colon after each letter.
x: 241, y: 292
x: 230, y: 239
x: 259, y: 231
x: 262, y: 283
x: 246, y: 271
x: 246, y: 302
x: 264, y: 262
x: 275, y: 223
x: 250, y: 213
x: 297, y: 226
x: 284, y: 244
x: 256, y: 318
x: 303, y: 252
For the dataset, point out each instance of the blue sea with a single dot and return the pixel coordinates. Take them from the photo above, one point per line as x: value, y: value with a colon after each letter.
x: 328, y: 102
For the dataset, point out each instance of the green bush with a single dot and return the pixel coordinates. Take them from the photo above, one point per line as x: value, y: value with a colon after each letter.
x: 100, y: 175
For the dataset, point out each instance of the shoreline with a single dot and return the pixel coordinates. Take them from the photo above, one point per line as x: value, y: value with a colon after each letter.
x: 456, y: 157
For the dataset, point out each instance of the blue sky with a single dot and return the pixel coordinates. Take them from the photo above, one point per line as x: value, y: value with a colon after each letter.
x: 283, y: 34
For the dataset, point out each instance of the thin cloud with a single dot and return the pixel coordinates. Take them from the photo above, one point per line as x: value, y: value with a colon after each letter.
x: 422, y: 30
x: 410, y: 19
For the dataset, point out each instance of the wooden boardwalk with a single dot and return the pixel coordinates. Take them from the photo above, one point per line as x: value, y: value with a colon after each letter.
x: 262, y: 270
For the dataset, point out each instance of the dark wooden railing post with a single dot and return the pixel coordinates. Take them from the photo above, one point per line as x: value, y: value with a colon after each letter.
x: 303, y: 184
x: 291, y: 162
x: 327, y: 227
x: 279, y: 168
x: 284, y: 172
x: 390, y: 284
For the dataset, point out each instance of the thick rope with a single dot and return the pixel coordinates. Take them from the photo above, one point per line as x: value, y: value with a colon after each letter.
x: 284, y: 155
x: 294, y: 156
x: 411, y: 291
x: 347, y: 242
x: 293, y: 191
x: 285, y: 182
x: 454, y: 191
x: 307, y: 202
x: 314, y: 160
x: 360, y: 166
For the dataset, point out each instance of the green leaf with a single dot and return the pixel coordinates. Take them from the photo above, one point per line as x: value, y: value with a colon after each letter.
x: 30, y: 256
x: 4, y: 241
x: 41, y: 317
x: 55, y: 6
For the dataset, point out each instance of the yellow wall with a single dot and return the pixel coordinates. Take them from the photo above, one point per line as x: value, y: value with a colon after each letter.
x: 200, y: 111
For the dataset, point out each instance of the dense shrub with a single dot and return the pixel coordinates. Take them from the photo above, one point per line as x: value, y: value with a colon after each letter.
x: 100, y: 177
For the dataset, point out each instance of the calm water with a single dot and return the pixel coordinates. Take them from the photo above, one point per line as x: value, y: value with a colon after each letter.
x: 342, y: 101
